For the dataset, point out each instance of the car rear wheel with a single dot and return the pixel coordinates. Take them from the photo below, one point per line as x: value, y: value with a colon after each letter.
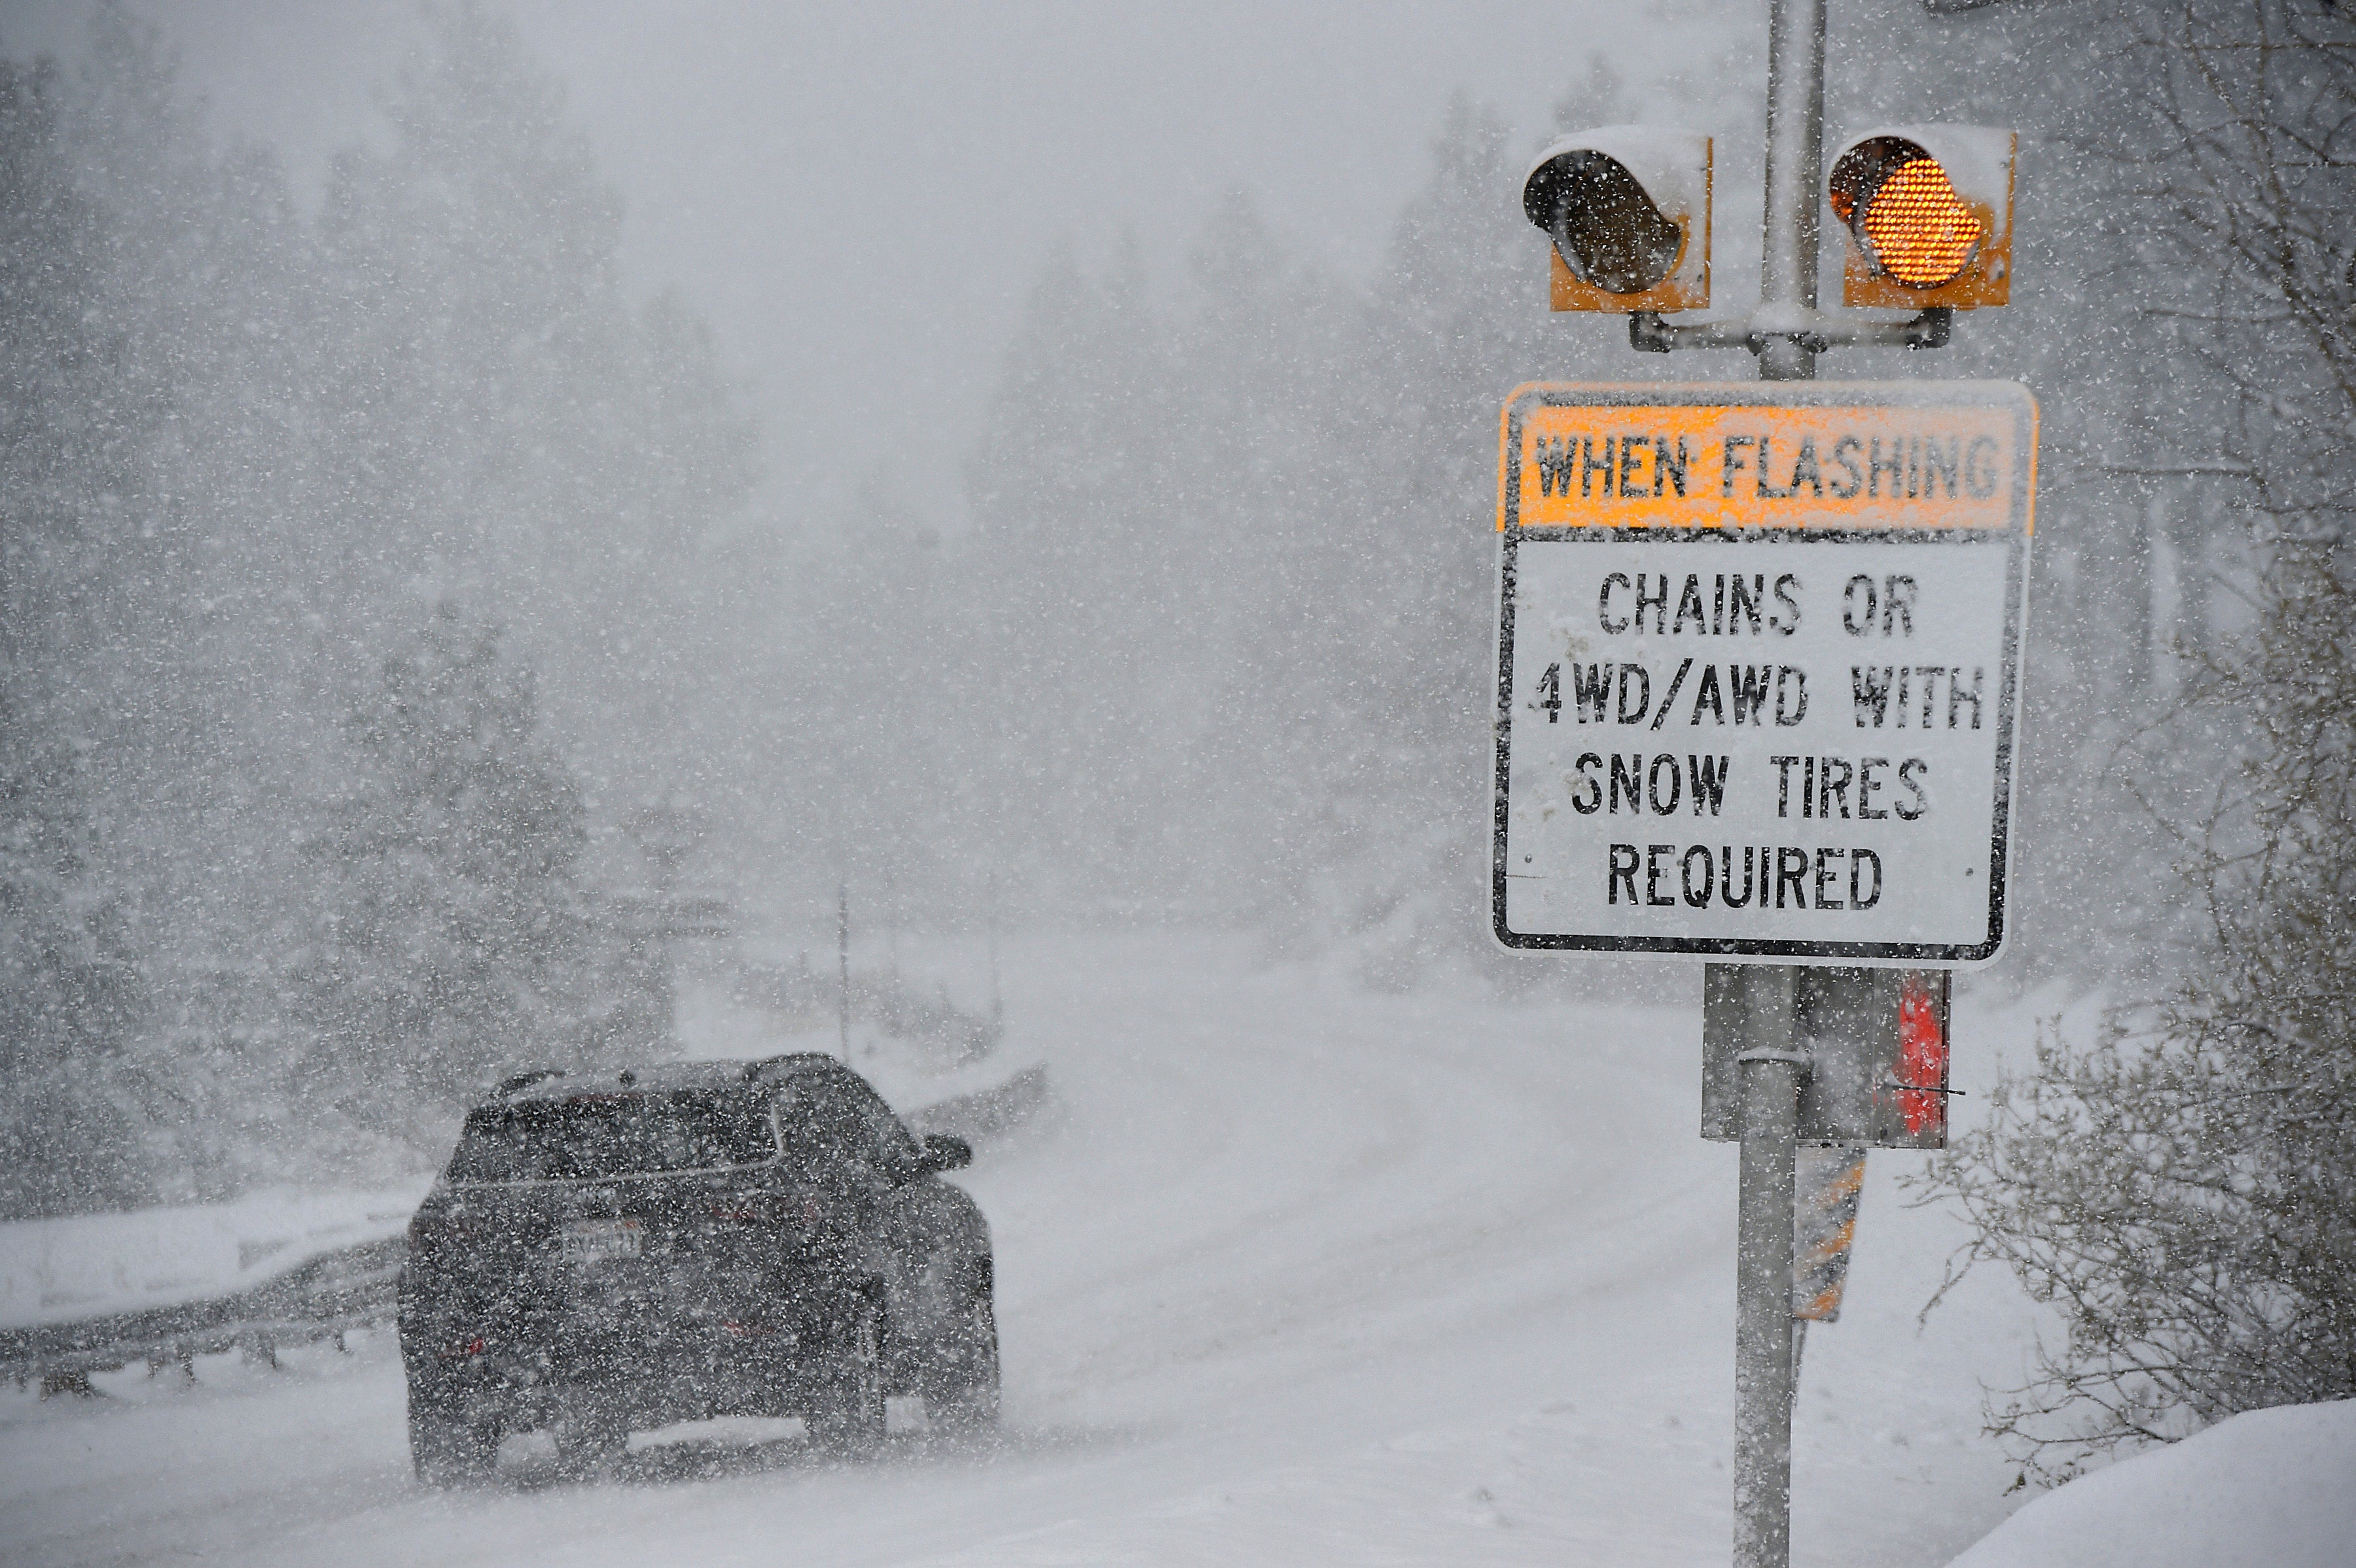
x: 852, y: 1422
x: 447, y: 1450
x: 964, y: 1395
x: 592, y: 1436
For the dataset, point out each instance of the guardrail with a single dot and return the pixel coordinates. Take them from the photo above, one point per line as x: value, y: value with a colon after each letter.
x: 333, y: 1294
x: 324, y: 1297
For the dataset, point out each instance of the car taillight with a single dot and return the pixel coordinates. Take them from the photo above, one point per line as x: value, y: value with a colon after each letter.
x: 465, y: 1349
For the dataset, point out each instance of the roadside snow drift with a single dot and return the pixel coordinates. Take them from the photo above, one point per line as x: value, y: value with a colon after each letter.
x: 2275, y: 1488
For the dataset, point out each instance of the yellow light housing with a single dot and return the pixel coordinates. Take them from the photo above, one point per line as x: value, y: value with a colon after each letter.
x: 1627, y: 207
x: 1610, y: 234
x: 1929, y: 215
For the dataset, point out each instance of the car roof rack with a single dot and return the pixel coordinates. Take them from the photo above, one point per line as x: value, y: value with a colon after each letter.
x: 525, y: 1080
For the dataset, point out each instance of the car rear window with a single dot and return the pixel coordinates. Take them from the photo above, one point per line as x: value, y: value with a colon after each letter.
x: 598, y: 1135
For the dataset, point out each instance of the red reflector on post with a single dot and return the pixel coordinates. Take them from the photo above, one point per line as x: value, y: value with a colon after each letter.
x: 1922, y: 1057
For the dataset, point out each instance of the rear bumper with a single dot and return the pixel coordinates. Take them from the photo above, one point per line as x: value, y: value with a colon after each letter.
x: 529, y: 1386
x: 646, y: 1369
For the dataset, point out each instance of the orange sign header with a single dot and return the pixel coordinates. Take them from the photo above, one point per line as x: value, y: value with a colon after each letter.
x: 1833, y: 455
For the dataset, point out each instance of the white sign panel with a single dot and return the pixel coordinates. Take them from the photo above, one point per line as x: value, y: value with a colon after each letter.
x: 1759, y: 668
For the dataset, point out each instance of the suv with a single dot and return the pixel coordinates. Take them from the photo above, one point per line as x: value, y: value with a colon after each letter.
x: 684, y: 1241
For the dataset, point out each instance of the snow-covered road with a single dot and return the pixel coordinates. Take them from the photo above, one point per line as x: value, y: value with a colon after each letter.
x: 1300, y: 1273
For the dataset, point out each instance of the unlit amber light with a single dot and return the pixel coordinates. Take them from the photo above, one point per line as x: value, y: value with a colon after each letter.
x: 1921, y: 232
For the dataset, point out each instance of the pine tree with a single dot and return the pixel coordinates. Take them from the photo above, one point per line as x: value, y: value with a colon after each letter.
x: 457, y: 941
x: 502, y: 423
x: 1069, y: 487
x: 233, y: 445
x: 71, y: 998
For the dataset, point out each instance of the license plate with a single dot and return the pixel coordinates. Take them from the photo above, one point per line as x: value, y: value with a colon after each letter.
x: 597, y: 1241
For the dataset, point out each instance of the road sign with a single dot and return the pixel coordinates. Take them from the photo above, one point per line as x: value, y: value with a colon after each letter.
x: 1758, y: 667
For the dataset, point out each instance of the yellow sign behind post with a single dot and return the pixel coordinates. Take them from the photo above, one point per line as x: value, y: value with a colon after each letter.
x: 1758, y: 671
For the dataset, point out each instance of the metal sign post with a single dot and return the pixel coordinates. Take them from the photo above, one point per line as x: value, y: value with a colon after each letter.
x: 1763, y: 1338
x: 1795, y: 161
x: 1766, y: 1380
x: 1758, y: 681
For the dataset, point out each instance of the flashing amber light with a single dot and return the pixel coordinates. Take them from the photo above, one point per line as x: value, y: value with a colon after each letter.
x: 1918, y: 229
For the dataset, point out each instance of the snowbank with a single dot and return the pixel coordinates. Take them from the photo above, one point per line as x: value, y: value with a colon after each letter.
x: 2275, y: 1488
x: 55, y: 1270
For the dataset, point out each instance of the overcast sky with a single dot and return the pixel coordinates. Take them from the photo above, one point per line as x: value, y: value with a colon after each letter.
x: 770, y: 154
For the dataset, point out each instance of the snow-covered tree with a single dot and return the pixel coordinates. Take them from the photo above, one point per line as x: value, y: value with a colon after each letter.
x: 455, y: 940
x: 501, y: 420
x: 233, y: 445
x: 2182, y: 1190
x: 71, y: 998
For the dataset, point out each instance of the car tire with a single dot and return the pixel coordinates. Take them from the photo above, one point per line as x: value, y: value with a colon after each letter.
x: 964, y: 1395
x: 447, y: 1450
x: 852, y: 1422
x: 592, y: 1438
